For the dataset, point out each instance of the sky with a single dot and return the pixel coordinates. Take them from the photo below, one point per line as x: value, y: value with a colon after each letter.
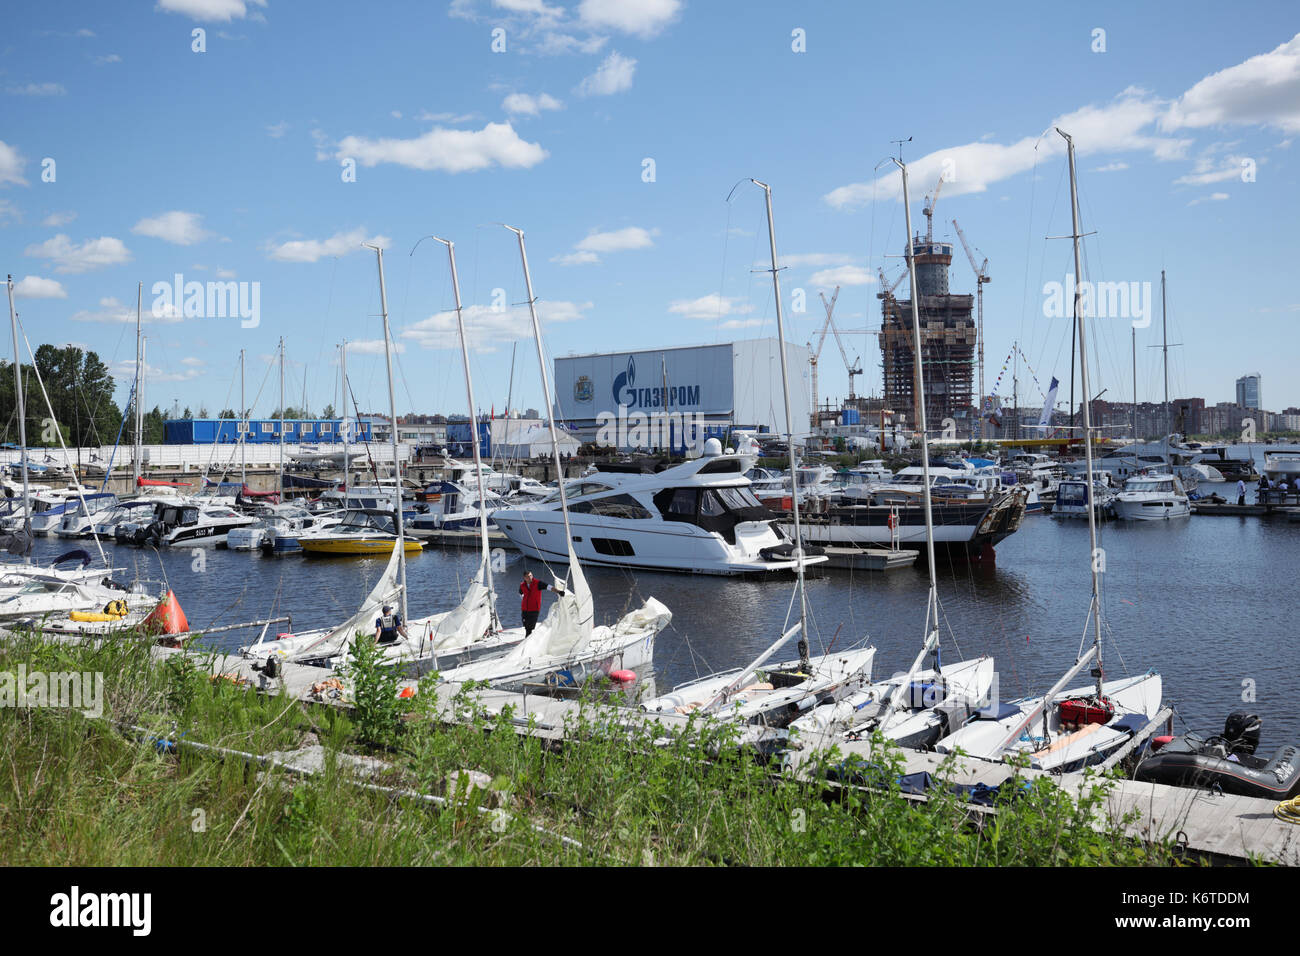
x: 263, y: 142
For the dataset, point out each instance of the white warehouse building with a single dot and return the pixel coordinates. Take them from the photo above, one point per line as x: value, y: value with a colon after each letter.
x: 674, y: 394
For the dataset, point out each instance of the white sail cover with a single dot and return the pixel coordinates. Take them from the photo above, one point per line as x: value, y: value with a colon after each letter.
x: 385, y: 591
x: 569, y: 623
x: 467, y: 621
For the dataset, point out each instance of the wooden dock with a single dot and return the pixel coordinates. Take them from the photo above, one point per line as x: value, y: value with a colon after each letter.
x: 1231, y: 509
x: 1220, y: 827
x: 869, y: 559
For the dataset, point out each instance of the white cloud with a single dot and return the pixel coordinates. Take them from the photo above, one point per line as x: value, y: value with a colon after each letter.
x: 1115, y: 127
x: 561, y: 44
x: 486, y: 328
x: 455, y: 119
x: 527, y: 105
x: 125, y: 369
x: 69, y: 257
x: 35, y: 287
x: 447, y: 150
x: 11, y: 165
x: 36, y: 89
x: 1263, y: 89
x: 112, y: 311
x: 222, y: 11
x: 642, y: 18
x: 1207, y: 170
x: 104, y: 60
x: 577, y: 259
x: 192, y: 361
x: 632, y: 237
x: 311, y: 250
x: 177, y: 226
x: 1213, y: 197
x: 276, y: 130
x: 56, y: 219
x: 1110, y: 168
x: 711, y: 306
x: 842, y: 275
x: 614, y: 75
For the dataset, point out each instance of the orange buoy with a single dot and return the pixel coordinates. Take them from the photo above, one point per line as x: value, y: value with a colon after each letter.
x: 406, y: 692
x: 1158, y: 742
x: 167, y: 617
x: 623, y: 677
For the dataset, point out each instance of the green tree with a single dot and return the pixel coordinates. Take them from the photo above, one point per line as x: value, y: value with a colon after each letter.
x: 81, y: 398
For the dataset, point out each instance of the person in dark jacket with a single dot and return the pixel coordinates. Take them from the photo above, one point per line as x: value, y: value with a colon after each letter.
x: 388, y: 626
x: 531, y: 605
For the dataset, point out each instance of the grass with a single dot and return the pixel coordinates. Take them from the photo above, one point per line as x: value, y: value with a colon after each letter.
x: 76, y: 790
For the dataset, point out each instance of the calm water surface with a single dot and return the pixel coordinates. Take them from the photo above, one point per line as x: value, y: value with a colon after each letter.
x: 1211, y: 603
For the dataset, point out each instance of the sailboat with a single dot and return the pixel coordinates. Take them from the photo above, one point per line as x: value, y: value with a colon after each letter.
x: 567, y: 647
x: 1084, y: 725
x: 917, y: 707
x: 758, y: 692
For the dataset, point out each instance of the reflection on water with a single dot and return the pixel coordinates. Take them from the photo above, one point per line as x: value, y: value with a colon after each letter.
x: 1209, y: 602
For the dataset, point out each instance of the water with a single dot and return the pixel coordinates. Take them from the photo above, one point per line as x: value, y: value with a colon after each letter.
x: 1208, y: 602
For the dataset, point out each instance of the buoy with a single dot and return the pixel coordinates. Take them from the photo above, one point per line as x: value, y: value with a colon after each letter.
x: 167, y: 617
x: 623, y: 677
x: 406, y: 692
x: 1158, y: 742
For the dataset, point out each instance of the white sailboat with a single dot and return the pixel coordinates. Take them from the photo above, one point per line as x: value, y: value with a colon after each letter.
x: 917, y: 707
x: 1080, y: 726
x: 774, y: 694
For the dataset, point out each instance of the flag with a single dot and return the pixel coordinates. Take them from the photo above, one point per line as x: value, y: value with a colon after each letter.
x: 1045, y: 419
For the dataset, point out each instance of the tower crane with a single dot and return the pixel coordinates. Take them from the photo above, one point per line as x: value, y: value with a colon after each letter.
x: 928, y: 210
x: 854, y: 370
x: 888, y: 286
x: 981, y: 277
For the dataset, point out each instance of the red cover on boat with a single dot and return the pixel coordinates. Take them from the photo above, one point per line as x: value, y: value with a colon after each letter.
x: 257, y: 494
x: 159, y: 483
x: 1086, y: 710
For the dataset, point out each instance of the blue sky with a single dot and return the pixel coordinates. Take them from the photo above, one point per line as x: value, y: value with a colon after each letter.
x: 228, y: 165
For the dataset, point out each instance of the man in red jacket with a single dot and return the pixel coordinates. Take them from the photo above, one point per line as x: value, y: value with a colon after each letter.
x: 531, y: 605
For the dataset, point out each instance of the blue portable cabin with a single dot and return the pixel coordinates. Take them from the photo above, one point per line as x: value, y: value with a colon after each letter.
x: 458, y: 440
x: 225, y: 431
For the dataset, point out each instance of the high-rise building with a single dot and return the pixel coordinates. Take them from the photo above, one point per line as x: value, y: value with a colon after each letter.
x: 948, y: 338
x: 1250, y: 391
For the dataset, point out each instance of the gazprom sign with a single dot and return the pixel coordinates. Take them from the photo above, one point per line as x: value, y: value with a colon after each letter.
x: 688, y: 380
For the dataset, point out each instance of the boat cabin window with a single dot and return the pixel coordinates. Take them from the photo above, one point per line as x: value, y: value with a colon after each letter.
x: 614, y: 506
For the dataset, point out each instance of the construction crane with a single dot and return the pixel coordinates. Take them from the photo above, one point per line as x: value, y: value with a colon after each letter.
x: 829, y: 326
x: 887, y: 286
x: 981, y: 277
x: 928, y: 210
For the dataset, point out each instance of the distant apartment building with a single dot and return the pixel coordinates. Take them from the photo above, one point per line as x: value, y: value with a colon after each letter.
x: 1250, y: 391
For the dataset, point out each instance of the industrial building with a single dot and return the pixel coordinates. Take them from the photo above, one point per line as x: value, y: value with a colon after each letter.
x: 225, y: 431
x: 684, y: 393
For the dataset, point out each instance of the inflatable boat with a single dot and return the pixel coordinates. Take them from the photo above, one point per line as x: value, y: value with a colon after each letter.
x: 1225, y: 762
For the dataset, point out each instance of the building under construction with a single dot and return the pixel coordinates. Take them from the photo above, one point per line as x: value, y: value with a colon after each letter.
x: 948, y: 339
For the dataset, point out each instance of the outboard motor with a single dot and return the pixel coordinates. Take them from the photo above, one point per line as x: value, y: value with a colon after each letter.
x: 1241, y: 733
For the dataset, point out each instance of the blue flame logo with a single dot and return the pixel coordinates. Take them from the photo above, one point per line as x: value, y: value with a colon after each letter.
x: 624, y: 380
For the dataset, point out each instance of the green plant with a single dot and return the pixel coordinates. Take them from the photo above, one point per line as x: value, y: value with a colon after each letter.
x: 377, y: 708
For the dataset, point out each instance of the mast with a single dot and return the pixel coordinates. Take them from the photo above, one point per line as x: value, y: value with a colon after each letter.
x: 546, y: 390
x: 1135, y: 400
x: 392, y: 428
x: 280, y: 481
x: 789, y: 437
x: 139, y: 386
x: 22, y: 428
x: 343, y: 354
x: 918, y: 383
x: 144, y: 352
x: 1164, y: 348
x: 474, y: 440
x: 243, y: 421
x: 1087, y: 414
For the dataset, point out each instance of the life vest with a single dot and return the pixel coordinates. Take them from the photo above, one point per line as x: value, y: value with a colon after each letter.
x: 117, y: 608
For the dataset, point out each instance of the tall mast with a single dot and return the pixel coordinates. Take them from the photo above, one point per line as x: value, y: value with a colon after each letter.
x: 789, y: 436
x: 1087, y: 413
x: 392, y: 427
x: 931, y: 640
x: 1135, y: 400
x: 1164, y: 348
x: 280, y: 482
x: 546, y: 392
x: 139, y: 386
x: 243, y: 424
x: 22, y: 427
x: 474, y: 440
x: 144, y: 359
x: 343, y: 356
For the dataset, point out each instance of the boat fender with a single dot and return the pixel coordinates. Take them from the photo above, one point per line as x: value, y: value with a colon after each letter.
x: 1160, y: 741
x: 623, y: 676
